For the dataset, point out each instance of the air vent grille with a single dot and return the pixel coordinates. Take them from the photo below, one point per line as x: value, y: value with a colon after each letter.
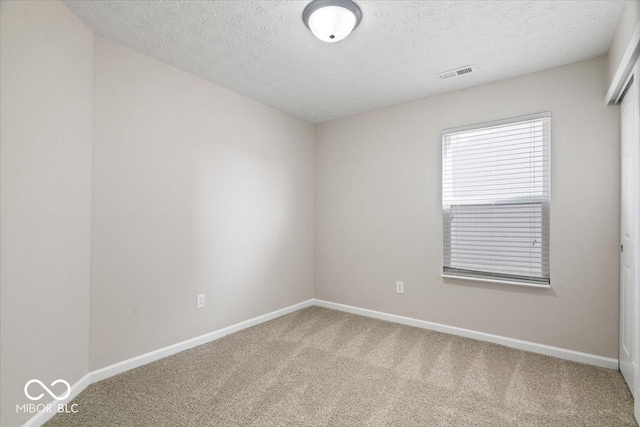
x: 457, y: 72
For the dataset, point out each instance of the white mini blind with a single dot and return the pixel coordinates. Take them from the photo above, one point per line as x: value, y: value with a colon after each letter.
x: 495, y: 200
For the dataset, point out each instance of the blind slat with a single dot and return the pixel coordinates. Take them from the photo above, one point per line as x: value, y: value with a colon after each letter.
x: 524, y: 152
x: 495, y: 197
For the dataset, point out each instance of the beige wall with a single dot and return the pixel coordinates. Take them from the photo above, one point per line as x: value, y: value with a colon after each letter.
x: 629, y: 21
x: 45, y: 195
x: 378, y: 212
x: 196, y: 189
x: 199, y: 190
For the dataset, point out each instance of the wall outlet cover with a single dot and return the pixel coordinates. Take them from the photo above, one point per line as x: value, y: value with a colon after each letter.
x: 200, y: 301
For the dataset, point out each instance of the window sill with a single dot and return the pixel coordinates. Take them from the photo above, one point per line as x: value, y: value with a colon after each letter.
x: 502, y: 282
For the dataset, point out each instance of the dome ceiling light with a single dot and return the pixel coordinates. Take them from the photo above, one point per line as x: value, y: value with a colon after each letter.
x: 331, y: 20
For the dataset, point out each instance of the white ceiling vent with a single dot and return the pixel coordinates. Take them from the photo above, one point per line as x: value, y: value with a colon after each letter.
x: 468, y: 69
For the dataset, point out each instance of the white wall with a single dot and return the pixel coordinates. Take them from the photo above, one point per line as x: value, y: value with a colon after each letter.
x: 45, y: 194
x: 196, y: 189
x: 378, y: 212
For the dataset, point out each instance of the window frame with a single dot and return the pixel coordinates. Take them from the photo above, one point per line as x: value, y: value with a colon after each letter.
x: 544, y: 201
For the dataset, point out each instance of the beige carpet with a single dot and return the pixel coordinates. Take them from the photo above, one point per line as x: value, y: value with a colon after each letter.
x: 320, y: 367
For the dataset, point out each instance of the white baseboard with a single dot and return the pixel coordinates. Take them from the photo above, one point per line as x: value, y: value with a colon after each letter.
x: 126, y: 365
x: 120, y: 367
x: 42, y: 417
x: 152, y: 356
x: 562, y: 353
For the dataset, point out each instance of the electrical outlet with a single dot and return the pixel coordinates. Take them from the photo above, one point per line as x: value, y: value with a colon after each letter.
x: 200, y: 301
x: 399, y: 288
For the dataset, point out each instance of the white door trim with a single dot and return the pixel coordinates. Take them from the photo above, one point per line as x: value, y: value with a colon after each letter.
x: 625, y: 68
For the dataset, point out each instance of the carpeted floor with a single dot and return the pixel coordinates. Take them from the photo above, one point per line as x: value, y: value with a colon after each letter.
x: 319, y: 367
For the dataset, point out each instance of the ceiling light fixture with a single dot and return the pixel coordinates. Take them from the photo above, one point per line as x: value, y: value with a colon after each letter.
x: 331, y: 20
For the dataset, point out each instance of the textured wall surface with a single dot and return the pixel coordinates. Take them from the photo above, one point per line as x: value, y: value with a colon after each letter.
x: 46, y: 66
x: 196, y: 190
x: 379, y: 217
x: 263, y: 50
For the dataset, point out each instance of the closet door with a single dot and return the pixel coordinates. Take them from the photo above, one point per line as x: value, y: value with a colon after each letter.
x: 628, y: 240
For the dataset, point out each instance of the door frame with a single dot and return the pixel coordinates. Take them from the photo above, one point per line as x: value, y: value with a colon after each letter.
x: 625, y: 69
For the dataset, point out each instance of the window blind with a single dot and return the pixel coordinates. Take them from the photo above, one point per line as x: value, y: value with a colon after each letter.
x: 495, y: 200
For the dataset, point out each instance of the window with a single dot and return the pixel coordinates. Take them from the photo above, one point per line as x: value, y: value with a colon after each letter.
x: 495, y: 201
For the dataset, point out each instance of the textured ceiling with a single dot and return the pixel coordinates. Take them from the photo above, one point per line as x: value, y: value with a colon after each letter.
x: 262, y: 49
